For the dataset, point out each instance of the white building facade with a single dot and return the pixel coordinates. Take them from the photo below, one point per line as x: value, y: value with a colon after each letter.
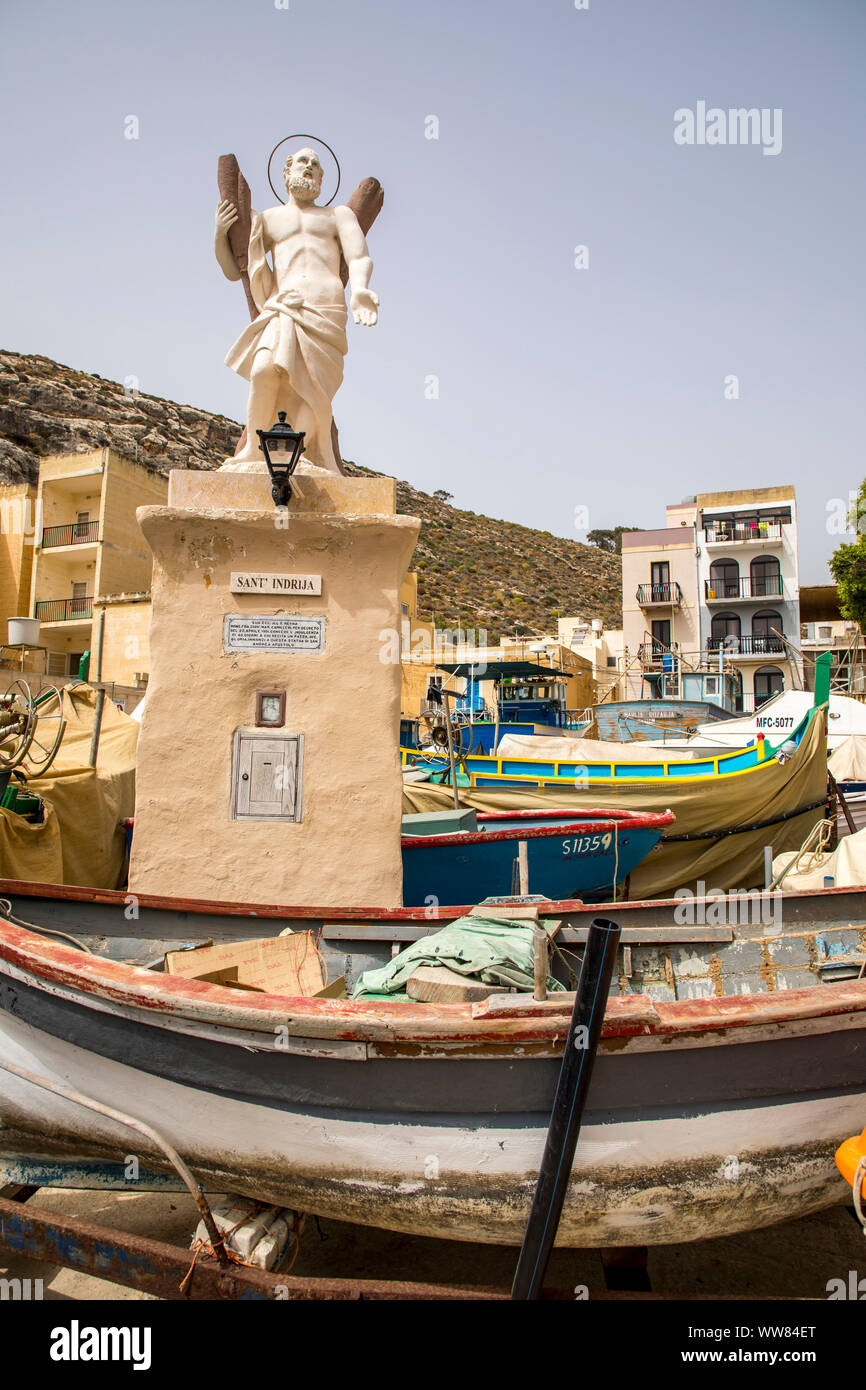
x: 749, y: 587
x: 718, y: 586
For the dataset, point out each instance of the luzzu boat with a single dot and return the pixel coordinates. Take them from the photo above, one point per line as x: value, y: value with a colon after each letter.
x: 731, y: 1066
x: 569, y: 855
x: 673, y: 766
x: 496, y: 770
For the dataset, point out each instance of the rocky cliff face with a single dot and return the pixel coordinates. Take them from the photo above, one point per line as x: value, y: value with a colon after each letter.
x: 474, y: 571
x: 46, y: 408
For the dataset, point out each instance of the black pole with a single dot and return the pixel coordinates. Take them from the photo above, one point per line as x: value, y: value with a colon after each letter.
x: 575, y: 1074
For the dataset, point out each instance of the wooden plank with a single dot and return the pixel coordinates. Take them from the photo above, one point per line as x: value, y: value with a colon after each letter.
x: 523, y: 866
x: 436, y: 984
x: 635, y: 936
x: 526, y: 913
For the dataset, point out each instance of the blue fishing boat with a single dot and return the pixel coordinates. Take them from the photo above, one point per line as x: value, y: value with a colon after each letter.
x: 571, y: 854
x: 675, y: 700
x: 527, y: 699
x: 625, y: 721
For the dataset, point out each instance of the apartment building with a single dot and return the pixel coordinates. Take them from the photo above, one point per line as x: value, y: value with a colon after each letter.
x: 17, y: 535
x: 88, y: 547
x: 602, y: 647
x: 718, y: 587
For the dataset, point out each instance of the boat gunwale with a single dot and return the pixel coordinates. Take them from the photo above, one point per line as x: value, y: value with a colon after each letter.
x: 442, y: 912
x: 51, y: 964
x: 622, y: 820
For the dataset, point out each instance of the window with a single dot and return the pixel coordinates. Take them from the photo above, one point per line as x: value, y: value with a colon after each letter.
x: 725, y: 631
x: 660, y: 572
x: 766, y: 577
x: 661, y: 635
x: 81, y: 529
x: 78, y: 606
x: 725, y: 579
x: 766, y: 631
x: 769, y: 681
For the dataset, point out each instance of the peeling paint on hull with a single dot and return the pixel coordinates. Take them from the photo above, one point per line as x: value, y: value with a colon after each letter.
x: 640, y: 1177
x: 705, y: 1117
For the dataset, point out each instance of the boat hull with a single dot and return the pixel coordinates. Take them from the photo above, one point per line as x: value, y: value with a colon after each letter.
x: 703, y: 1118
x: 566, y: 858
x: 626, y: 721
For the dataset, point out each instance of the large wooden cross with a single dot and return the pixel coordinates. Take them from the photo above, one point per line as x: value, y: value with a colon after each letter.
x: 366, y: 203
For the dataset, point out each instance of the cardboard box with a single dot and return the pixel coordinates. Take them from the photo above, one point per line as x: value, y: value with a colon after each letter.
x: 288, y: 965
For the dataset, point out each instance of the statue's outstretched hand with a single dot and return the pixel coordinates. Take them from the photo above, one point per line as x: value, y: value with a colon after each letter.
x: 226, y: 216
x: 365, y: 307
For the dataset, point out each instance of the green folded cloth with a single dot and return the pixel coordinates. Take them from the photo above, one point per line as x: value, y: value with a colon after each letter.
x: 494, y: 950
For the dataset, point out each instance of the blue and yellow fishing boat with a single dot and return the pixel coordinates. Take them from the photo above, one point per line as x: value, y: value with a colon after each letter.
x: 496, y: 770
x: 670, y: 767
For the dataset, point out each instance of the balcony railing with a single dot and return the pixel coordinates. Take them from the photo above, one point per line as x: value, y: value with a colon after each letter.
x: 745, y: 534
x: 78, y: 533
x: 649, y: 595
x: 653, y: 657
x: 64, y: 610
x: 721, y: 590
x: 733, y: 645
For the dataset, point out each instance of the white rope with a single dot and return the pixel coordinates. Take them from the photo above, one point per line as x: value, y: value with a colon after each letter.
x: 820, y: 833
x: 859, y: 1179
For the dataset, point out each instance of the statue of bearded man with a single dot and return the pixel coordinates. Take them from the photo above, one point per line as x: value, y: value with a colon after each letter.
x: 292, y: 353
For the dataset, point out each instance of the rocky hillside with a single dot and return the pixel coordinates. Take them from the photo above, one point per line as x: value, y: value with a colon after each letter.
x: 473, y: 571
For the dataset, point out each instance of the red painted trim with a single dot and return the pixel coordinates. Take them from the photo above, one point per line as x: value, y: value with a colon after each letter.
x: 349, y: 1020
x: 114, y: 897
x: 603, y: 812
x: 649, y: 820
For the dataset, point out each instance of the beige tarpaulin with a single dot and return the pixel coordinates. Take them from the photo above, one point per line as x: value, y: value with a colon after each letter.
x: 845, y: 866
x: 848, y: 762
x: 765, y: 793
x: 80, y: 841
x: 593, y: 750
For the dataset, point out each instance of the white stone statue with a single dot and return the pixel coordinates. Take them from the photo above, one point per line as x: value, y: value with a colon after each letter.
x: 292, y: 353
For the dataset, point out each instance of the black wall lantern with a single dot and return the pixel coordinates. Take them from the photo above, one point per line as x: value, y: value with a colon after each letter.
x: 281, y: 446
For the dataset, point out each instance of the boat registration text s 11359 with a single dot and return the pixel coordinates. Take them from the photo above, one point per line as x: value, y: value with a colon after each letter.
x: 587, y: 844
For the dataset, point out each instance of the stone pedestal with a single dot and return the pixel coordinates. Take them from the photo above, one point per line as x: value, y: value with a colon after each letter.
x: 305, y: 812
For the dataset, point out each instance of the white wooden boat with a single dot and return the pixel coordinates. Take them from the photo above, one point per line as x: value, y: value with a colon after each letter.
x: 710, y: 1112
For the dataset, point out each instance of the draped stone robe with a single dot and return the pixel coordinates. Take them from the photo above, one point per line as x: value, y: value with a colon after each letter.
x: 306, y: 341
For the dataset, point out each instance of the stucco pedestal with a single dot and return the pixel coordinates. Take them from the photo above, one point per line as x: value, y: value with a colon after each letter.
x: 344, y: 849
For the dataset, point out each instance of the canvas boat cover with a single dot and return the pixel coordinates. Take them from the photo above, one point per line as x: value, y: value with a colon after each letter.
x: 80, y: 841
x: 846, y: 866
x: 789, y: 795
x: 848, y: 762
x: 589, y: 750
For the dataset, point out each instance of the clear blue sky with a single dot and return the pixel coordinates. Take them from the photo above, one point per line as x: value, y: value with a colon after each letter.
x: 559, y: 388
